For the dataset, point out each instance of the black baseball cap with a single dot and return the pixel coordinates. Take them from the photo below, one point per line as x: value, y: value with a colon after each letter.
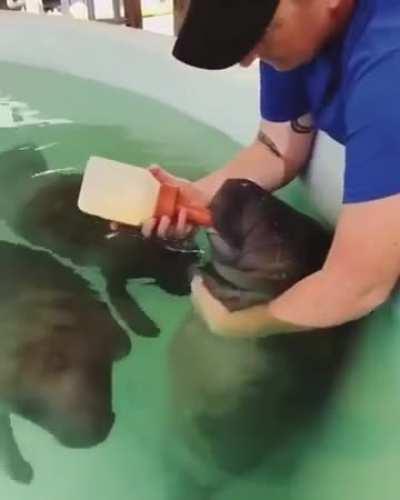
x: 217, y: 34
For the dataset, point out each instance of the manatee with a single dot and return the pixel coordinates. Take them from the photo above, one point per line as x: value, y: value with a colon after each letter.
x: 46, y: 215
x: 58, y: 343
x: 261, y: 244
x: 240, y: 402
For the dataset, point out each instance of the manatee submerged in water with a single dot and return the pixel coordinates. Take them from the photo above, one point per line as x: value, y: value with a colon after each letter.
x: 240, y: 401
x: 58, y: 343
x: 42, y: 208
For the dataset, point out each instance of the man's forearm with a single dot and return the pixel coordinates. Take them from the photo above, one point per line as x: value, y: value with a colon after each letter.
x: 272, y: 161
x: 316, y: 302
x: 258, y: 163
x: 322, y: 301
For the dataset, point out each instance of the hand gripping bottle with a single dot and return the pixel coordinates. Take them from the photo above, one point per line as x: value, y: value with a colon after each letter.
x: 129, y: 195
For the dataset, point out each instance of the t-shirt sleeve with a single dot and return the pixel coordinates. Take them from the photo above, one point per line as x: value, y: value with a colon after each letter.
x: 283, y: 94
x: 373, y: 132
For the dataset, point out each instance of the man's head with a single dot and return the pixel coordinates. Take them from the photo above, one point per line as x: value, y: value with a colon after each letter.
x: 283, y: 33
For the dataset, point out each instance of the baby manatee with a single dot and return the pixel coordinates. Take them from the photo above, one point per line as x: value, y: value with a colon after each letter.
x: 58, y: 343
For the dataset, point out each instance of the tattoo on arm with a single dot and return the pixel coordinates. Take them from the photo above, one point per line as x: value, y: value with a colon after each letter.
x: 269, y: 143
x: 301, y: 128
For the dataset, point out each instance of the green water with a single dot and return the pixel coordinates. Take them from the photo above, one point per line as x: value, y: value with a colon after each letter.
x: 353, y: 455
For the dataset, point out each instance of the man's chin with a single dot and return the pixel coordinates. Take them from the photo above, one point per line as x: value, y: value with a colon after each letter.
x: 284, y: 65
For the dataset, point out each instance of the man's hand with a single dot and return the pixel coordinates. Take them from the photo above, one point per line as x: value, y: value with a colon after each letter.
x: 254, y: 321
x: 191, y: 196
x: 163, y: 227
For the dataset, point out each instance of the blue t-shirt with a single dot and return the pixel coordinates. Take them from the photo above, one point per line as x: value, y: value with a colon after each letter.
x: 352, y: 90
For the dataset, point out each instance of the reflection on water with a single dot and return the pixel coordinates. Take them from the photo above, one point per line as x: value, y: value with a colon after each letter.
x: 15, y: 114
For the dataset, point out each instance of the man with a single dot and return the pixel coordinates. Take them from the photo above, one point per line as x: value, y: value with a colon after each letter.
x: 332, y: 65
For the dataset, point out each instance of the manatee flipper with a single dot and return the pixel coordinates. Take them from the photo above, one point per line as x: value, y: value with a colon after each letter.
x: 129, y: 310
x: 10, y: 455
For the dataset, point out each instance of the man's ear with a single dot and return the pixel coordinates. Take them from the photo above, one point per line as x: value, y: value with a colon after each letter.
x: 335, y: 4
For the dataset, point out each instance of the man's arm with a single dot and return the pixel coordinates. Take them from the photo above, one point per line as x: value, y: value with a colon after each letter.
x: 275, y: 157
x: 277, y: 154
x: 360, y: 272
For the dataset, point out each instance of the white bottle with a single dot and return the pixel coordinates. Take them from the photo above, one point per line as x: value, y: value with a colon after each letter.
x: 130, y: 195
